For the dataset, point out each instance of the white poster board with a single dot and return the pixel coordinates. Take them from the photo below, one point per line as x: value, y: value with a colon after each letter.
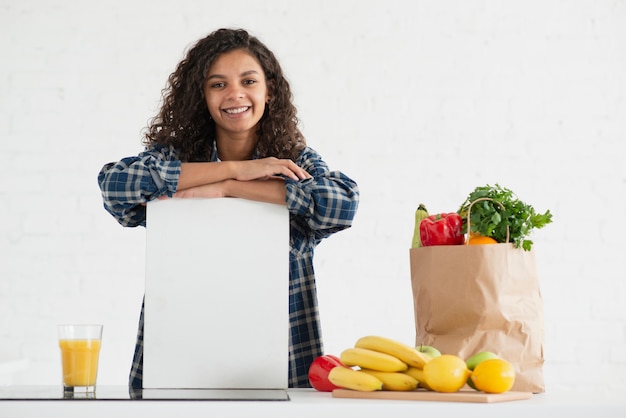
x: 217, y: 289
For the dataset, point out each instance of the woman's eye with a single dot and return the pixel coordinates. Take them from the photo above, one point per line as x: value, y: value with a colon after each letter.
x: 249, y: 82
x: 217, y: 85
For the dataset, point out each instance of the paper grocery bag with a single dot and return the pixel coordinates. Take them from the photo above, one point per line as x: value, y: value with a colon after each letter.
x: 472, y: 298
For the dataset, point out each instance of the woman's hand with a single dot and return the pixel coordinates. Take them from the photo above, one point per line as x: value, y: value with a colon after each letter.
x: 266, y: 168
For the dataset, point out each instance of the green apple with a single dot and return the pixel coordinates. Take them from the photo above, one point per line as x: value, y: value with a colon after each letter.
x: 428, y: 350
x: 477, y: 358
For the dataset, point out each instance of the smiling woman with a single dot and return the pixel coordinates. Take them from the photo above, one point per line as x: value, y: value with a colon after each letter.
x: 228, y: 128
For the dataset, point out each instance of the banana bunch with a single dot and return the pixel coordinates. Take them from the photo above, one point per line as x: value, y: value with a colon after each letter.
x: 379, y: 363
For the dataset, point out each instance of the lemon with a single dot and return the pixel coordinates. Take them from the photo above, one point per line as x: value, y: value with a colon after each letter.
x: 446, y: 373
x: 493, y: 376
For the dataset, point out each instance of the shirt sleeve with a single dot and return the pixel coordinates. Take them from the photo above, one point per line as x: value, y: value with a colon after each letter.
x: 129, y: 183
x: 327, y: 202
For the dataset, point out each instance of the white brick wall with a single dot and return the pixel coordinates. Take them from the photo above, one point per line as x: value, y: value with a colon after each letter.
x: 419, y: 101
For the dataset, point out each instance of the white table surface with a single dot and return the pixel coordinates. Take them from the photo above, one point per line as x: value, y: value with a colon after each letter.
x: 305, y: 403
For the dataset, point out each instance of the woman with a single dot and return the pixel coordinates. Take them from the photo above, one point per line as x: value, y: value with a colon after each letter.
x: 228, y: 128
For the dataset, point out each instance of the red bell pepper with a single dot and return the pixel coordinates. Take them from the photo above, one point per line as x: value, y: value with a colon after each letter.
x: 442, y: 229
x: 319, y: 369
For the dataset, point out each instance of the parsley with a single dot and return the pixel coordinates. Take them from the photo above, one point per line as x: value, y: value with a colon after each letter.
x: 488, y: 218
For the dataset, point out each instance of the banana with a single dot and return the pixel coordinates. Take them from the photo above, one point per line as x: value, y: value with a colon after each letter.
x: 370, y: 359
x: 420, y: 213
x: 407, y: 354
x: 394, y: 380
x: 418, y: 374
x: 348, y: 378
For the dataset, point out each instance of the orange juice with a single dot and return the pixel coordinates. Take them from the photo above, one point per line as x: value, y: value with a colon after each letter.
x: 80, y: 361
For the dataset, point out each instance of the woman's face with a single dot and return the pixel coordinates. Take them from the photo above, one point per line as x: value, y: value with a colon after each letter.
x: 236, y: 93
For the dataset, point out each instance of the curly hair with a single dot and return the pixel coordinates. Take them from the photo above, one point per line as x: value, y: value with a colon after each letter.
x: 184, y: 122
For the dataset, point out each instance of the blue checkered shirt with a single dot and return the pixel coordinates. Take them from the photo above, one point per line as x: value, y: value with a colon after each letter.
x: 318, y: 207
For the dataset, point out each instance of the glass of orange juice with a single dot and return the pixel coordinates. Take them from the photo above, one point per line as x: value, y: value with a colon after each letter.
x: 80, y: 351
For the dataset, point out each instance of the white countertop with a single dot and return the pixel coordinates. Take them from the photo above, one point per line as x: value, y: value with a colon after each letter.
x: 305, y: 403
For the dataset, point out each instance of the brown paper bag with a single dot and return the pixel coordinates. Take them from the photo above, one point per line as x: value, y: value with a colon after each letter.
x: 472, y: 298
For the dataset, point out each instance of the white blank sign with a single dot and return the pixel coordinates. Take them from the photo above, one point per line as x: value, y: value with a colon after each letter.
x: 216, y: 298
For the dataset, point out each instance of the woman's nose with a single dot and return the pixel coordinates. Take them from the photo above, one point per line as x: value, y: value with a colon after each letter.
x: 234, y: 92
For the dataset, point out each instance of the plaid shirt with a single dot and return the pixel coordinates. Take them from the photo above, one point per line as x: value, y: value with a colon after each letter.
x: 318, y: 207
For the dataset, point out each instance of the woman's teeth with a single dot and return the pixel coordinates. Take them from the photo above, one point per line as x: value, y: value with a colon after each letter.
x: 237, y: 110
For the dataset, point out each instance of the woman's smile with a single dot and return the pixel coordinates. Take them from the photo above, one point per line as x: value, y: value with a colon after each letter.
x: 236, y: 110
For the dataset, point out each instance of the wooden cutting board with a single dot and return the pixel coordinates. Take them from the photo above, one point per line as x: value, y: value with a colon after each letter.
x: 426, y: 395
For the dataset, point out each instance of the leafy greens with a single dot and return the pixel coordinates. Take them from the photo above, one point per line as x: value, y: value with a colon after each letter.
x: 490, y: 220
